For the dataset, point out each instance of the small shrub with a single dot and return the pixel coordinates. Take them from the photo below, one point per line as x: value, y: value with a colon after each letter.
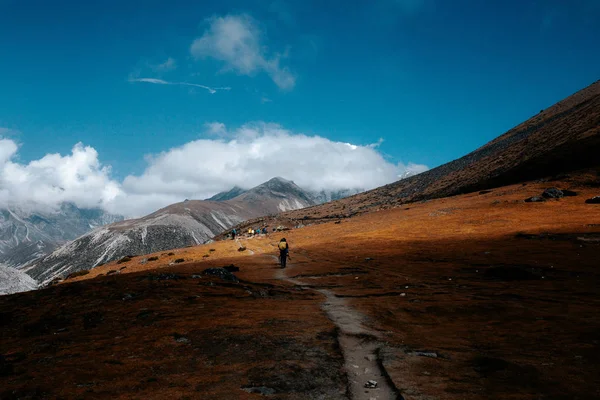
x: 179, y: 260
x: 171, y: 254
x: 77, y: 273
x: 153, y: 258
x: 206, y: 256
x: 211, y: 250
x: 124, y: 260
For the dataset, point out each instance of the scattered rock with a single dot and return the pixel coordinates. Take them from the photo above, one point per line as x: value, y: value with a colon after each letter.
x: 124, y: 260
x: 179, y: 260
x: 265, y: 391
x: 113, y: 272
x: 221, y: 273
x: 242, y: 248
x: 371, y: 384
x: 485, y: 192
x: 370, y: 357
x: 78, y: 273
x: 535, y: 199
x: 593, y: 200
x: 430, y: 354
x: 196, y: 276
x: 167, y: 276
x: 569, y: 193
x: 143, y: 261
x: 368, y: 259
x: 153, y: 258
x: 553, y: 193
x: 180, y: 338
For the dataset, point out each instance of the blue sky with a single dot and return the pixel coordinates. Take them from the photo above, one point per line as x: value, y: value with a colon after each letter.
x: 434, y: 79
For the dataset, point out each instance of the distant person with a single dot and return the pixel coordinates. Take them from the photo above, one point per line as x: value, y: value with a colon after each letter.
x: 284, y: 252
x: 233, y: 232
x: 250, y: 232
x: 264, y: 230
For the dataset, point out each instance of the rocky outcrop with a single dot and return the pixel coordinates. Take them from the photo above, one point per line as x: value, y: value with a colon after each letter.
x: 593, y: 200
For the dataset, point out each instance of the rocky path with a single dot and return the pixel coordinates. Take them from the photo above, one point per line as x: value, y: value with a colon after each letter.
x: 367, y: 379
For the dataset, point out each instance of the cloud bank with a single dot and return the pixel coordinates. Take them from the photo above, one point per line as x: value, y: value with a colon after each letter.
x: 237, y: 41
x: 78, y: 177
x: 246, y: 157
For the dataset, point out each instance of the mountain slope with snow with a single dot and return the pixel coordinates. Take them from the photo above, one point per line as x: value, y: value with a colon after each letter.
x: 14, y: 281
x: 179, y: 225
x: 29, y: 231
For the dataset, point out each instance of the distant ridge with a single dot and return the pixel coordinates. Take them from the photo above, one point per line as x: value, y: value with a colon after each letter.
x: 231, y: 194
x: 182, y: 224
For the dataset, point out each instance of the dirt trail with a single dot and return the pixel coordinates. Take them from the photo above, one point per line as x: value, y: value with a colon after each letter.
x: 359, y: 345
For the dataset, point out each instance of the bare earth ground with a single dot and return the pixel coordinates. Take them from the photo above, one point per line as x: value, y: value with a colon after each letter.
x: 479, y: 296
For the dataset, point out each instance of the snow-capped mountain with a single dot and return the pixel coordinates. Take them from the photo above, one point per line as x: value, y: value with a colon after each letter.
x: 29, y: 231
x: 325, y: 196
x: 182, y: 224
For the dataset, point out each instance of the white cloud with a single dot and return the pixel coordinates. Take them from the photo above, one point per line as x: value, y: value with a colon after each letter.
x: 169, y: 65
x: 216, y: 129
x: 155, y: 81
x: 252, y: 155
x: 246, y: 157
x: 237, y: 41
x: 53, y: 179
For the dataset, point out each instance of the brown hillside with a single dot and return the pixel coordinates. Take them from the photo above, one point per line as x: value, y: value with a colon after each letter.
x: 477, y: 296
x: 563, y: 138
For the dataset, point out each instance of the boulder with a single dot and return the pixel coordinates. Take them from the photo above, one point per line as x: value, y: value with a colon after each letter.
x: 221, y: 273
x: 593, y: 200
x: 553, y: 193
x: 535, y: 199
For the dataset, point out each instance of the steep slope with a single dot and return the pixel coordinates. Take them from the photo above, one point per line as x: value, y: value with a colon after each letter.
x: 29, y: 231
x: 14, y: 281
x: 182, y: 224
x: 230, y: 194
x: 562, y: 138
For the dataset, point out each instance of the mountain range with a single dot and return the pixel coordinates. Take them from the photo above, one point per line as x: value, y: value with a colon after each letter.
x: 28, y: 231
x: 187, y: 223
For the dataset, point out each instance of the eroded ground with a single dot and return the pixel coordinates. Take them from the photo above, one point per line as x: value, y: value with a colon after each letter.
x: 480, y: 296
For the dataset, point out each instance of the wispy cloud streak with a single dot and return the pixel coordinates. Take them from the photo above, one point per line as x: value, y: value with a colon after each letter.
x: 211, y: 90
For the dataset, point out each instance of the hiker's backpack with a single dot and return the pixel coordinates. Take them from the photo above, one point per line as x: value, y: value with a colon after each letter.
x: 282, y: 245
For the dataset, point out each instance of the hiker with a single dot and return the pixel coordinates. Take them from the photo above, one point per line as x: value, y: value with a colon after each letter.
x: 233, y: 234
x: 264, y: 231
x: 250, y: 232
x: 284, y: 252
